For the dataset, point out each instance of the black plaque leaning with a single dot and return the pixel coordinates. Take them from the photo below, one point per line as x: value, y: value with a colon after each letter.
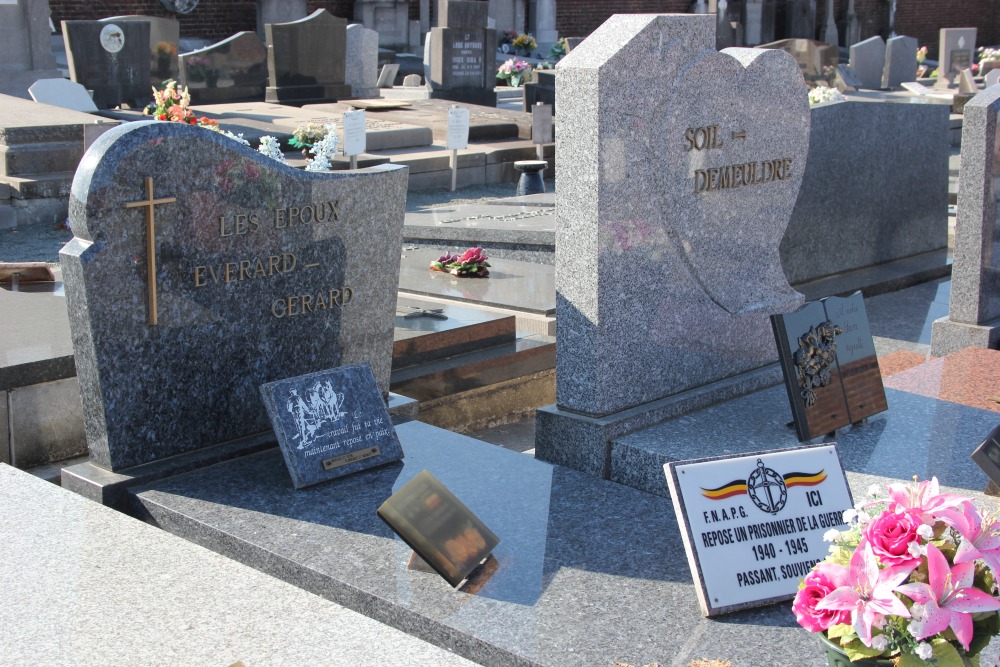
x: 438, y: 527
x: 828, y: 360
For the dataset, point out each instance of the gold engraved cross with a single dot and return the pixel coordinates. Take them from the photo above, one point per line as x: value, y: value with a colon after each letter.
x: 148, y: 204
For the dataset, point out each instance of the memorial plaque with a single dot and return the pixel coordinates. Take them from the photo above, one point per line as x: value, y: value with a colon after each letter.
x: 541, y: 124
x: 458, y: 128
x: 961, y: 59
x: 753, y: 525
x: 438, y: 527
x: 856, y: 357
x: 828, y: 359
x: 331, y: 423
x: 354, y: 132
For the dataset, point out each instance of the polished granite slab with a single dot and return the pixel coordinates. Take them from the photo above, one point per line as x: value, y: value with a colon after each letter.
x: 35, y: 341
x: 588, y: 571
x: 512, y: 284
x: 970, y: 377
x: 916, y: 436
x: 426, y: 331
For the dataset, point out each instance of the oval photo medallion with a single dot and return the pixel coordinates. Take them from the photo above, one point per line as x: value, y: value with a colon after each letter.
x: 179, y: 6
x: 112, y: 38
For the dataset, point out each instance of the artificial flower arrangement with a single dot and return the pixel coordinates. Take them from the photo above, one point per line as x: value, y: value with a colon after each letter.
x: 166, y: 49
x: 821, y: 94
x: 988, y: 55
x: 514, y: 72
x: 471, y: 264
x: 506, y: 37
x: 171, y: 104
x: 912, y: 580
x: 306, y: 135
x: 921, y: 55
x: 324, y: 151
x: 525, y: 42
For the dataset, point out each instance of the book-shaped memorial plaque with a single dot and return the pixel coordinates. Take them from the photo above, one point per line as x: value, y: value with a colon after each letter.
x: 438, y: 527
x: 331, y: 423
x: 829, y: 363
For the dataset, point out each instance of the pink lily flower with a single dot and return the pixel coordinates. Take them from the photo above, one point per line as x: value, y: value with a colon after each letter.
x: 926, y: 498
x: 868, y: 593
x: 949, y: 599
x: 980, y: 539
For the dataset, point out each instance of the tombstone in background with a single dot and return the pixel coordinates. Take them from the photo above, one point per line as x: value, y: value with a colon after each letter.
x: 164, y: 34
x: 852, y: 26
x: 62, y: 93
x: 828, y: 32
x: 463, y: 54
x: 868, y: 62
x: 305, y: 60
x: 233, y: 70
x: 817, y: 60
x: 279, y: 11
x: 800, y: 19
x: 992, y: 78
x: 200, y: 270
x: 387, y: 76
x: 543, y: 17
x: 508, y: 14
x: 675, y: 148
x: 361, y: 62
x: 900, y: 61
x: 112, y: 59
x: 956, y: 51
x: 25, y: 46
x: 412, y: 81
x: 542, y: 89
x: 389, y: 18
x: 758, y: 21
x: 974, y: 308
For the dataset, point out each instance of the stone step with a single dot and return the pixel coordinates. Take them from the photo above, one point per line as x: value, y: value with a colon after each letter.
x: 40, y: 158
x: 54, y: 184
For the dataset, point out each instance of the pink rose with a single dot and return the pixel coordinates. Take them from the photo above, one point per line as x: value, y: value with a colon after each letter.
x: 820, y: 582
x: 890, y: 536
x: 473, y: 256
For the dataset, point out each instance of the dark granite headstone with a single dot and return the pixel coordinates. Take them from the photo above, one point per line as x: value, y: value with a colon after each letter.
x: 331, y: 423
x: 462, y: 13
x: 112, y: 59
x: 259, y: 272
x: 542, y: 89
x: 463, y: 54
x: 164, y: 34
x: 233, y: 70
x: 306, y: 60
x: 828, y: 359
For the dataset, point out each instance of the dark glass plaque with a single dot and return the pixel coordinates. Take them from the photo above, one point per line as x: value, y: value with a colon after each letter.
x: 828, y: 359
x: 438, y: 527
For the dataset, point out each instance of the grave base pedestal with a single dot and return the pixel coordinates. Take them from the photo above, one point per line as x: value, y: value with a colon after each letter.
x: 584, y: 443
x: 949, y: 336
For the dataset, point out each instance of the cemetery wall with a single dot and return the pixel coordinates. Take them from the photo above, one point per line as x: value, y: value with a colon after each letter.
x: 212, y: 19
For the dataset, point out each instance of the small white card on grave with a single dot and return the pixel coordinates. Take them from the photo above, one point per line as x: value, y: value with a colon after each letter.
x: 753, y: 524
x: 458, y: 128
x: 354, y: 132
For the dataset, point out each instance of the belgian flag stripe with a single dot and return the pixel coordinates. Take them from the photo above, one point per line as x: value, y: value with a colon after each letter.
x: 733, y: 488
x: 805, y: 478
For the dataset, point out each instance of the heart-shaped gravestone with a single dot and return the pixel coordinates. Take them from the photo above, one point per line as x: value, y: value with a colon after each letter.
x: 734, y: 147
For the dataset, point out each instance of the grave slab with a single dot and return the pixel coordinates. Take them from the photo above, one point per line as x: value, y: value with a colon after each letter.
x: 969, y: 377
x: 514, y: 285
x: 558, y: 596
x: 235, y: 252
x: 69, y: 563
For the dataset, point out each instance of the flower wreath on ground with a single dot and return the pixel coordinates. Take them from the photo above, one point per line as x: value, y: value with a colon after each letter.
x: 911, y: 580
x: 471, y: 264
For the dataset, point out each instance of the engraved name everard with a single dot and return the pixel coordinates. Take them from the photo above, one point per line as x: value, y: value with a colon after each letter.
x: 729, y: 177
x: 252, y: 268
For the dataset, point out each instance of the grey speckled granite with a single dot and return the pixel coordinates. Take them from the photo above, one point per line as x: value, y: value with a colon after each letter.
x: 916, y: 436
x: 900, y: 56
x: 868, y: 61
x: 975, y: 293
x: 841, y: 222
x: 589, y: 571
x: 226, y: 301
x: 86, y: 586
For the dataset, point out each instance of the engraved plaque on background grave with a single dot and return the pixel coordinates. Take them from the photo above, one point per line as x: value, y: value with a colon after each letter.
x: 331, y: 423
x: 960, y: 59
x: 828, y: 360
x: 753, y: 524
x: 438, y: 527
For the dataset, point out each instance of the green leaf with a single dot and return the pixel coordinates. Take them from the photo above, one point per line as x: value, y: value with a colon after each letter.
x: 910, y: 660
x: 856, y: 650
x: 947, y: 655
x: 838, y: 631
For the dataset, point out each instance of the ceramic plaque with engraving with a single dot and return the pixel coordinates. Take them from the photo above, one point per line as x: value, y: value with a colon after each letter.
x: 753, y: 524
x: 458, y: 128
x: 438, y: 527
x: 828, y: 360
x: 331, y: 423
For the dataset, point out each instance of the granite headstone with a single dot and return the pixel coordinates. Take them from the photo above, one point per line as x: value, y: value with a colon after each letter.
x: 682, y: 175
x: 817, y: 60
x: 306, y: 60
x: 800, y: 19
x: 900, y: 61
x: 259, y: 272
x: 331, y: 423
x: 387, y: 75
x: 868, y: 61
x: 992, y: 78
x: 233, y: 70
x: 463, y: 54
x: 112, y: 59
x: 164, y: 35
x: 361, y: 64
x: 974, y: 307
x: 956, y: 51
x: 25, y: 46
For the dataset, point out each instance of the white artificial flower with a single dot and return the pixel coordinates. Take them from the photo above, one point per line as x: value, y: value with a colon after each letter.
x: 235, y: 137
x: 270, y: 147
x: 323, y: 152
x: 850, y: 515
x: 925, y: 531
x: 873, y: 490
x: 916, y: 550
x: 924, y: 651
x: 821, y: 94
x: 831, y: 535
x: 880, y: 642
